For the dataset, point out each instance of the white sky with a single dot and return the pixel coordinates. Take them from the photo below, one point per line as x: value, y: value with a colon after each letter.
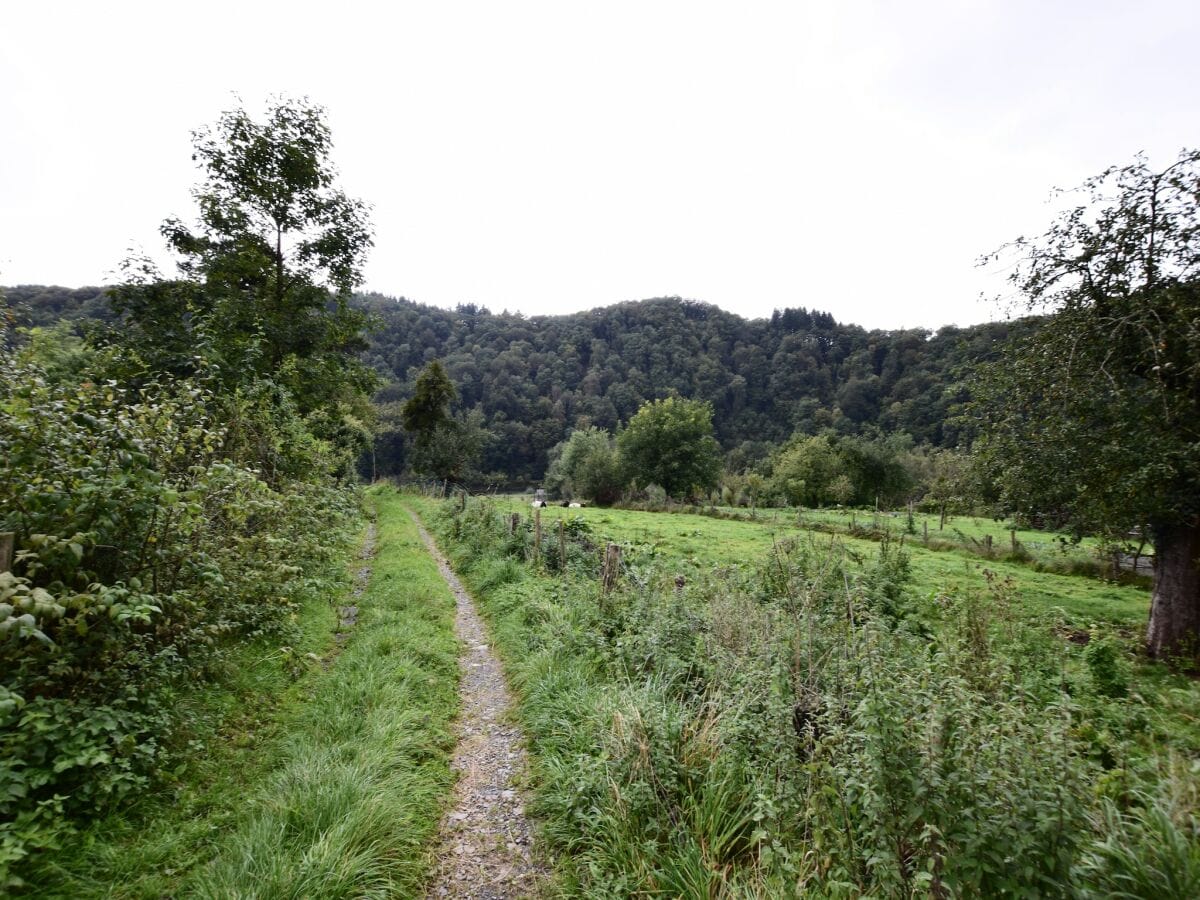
x: 856, y: 157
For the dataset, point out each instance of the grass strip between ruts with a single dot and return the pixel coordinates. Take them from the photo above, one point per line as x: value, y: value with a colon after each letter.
x: 352, y: 810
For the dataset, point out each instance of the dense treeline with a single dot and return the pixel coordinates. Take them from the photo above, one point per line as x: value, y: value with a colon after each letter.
x: 42, y: 306
x: 533, y: 380
x: 175, y: 480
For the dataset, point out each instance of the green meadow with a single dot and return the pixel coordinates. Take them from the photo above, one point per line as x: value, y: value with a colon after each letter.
x: 700, y: 541
x: 764, y: 709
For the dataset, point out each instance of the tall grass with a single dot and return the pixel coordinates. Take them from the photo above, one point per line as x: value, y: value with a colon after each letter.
x: 328, y: 771
x: 365, y: 770
x: 807, y: 726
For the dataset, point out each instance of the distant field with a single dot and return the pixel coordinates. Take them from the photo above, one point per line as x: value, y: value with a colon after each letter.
x: 699, y: 540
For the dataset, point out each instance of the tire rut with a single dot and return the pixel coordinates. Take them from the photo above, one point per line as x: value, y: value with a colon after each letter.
x: 484, y: 842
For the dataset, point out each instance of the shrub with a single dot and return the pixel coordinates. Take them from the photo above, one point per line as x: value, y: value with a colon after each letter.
x: 1106, y: 664
x: 151, y: 531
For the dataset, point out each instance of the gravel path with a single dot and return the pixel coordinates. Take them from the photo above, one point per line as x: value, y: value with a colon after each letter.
x: 484, y: 841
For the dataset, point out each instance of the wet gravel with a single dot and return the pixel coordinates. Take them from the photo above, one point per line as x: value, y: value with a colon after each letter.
x: 484, y: 843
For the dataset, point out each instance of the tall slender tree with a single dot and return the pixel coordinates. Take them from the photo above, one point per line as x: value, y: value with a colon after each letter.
x: 444, y: 445
x: 429, y: 407
x: 266, y: 272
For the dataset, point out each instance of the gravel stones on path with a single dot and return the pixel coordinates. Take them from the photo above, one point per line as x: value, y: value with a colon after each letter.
x: 483, y: 847
x: 348, y: 615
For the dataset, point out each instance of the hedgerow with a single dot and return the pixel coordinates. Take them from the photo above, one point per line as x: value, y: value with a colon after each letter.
x: 157, y: 521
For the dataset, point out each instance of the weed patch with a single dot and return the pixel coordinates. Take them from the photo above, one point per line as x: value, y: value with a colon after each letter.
x: 758, y: 714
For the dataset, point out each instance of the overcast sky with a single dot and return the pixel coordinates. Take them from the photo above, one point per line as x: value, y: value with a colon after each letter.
x: 855, y: 157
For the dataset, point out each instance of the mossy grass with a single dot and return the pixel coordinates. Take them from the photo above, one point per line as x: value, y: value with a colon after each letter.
x: 316, y: 771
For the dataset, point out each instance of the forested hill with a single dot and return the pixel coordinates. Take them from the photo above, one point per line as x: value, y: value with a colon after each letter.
x: 534, y: 379
x: 42, y: 305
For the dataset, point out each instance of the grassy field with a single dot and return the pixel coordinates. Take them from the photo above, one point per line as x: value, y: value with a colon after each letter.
x: 699, y: 541
x: 762, y: 710
x: 329, y: 768
x: 1045, y: 550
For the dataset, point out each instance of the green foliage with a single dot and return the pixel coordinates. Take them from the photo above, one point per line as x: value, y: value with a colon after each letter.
x: 950, y: 480
x: 1105, y: 662
x: 445, y: 446
x: 1095, y: 417
x: 265, y: 278
x: 43, y: 306
x: 803, y: 473
x: 172, y: 487
x: 586, y: 466
x: 1146, y: 852
x: 670, y: 443
x: 814, y: 471
x: 429, y: 406
x: 143, y: 547
x: 451, y: 451
x: 537, y: 380
x: 812, y: 727
x: 349, y: 760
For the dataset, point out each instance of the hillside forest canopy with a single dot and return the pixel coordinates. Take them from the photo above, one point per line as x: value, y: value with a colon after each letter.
x: 535, y: 380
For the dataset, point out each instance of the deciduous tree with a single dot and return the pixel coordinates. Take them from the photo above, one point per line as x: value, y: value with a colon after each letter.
x: 587, y: 467
x: 1097, y: 415
x: 670, y: 443
x: 444, y: 446
x: 266, y: 272
x: 429, y: 406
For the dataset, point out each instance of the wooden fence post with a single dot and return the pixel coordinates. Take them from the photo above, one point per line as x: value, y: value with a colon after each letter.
x: 612, y: 567
x: 562, y: 544
x: 537, y: 533
x: 925, y: 531
x: 514, y: 520
x: 7, y: 539
x: 1012, y: 534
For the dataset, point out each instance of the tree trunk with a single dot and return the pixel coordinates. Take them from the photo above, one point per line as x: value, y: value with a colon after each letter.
x: 1175, y: 607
